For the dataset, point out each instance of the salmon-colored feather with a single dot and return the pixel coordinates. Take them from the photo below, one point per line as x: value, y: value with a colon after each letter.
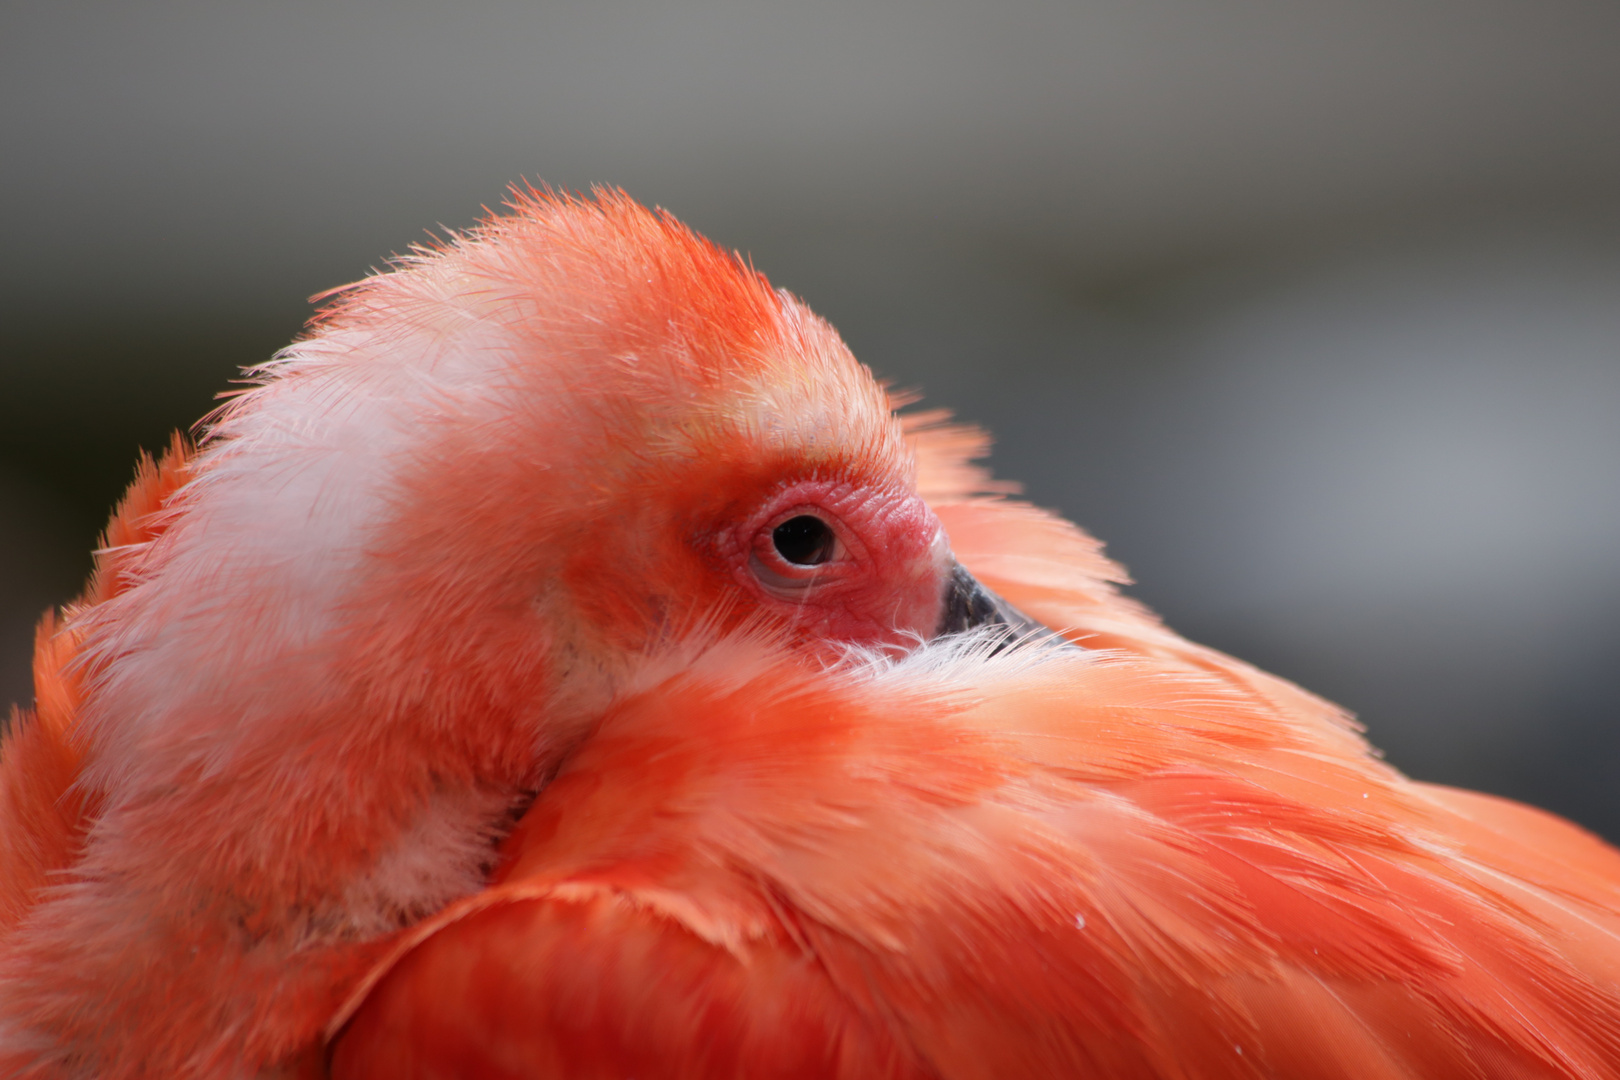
x: 42, y: 815
x: 1149, y: 862
x: 460, y: 707
x: 1072, y: 866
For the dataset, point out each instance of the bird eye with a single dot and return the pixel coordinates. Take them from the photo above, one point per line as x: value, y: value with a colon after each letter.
x: 805, y: 540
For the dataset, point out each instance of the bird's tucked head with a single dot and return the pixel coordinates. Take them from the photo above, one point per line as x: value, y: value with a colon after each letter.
x: 658, y: 441
x: 495, y: 475
x: 490, y: 493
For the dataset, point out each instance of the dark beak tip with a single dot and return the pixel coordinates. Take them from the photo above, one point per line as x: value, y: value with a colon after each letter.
x: 969, y: 605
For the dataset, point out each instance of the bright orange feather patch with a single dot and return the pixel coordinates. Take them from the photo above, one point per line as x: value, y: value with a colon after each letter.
x: 761, y: 876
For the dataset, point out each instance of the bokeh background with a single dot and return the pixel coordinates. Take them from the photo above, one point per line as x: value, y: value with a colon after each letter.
x: 1311, y: 310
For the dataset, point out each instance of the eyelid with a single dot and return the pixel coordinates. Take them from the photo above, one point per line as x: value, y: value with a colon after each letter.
x: 776, y: 573
x: 773, y: 579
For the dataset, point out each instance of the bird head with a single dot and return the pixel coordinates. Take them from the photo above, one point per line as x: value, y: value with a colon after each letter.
x: 487, y: 495
x: 490, y: 480
x: 626, y: 432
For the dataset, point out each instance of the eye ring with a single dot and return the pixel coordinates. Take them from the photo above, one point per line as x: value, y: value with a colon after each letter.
x: 800, y: 547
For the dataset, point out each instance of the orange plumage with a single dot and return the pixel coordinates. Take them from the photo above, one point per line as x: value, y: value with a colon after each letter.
x: 577, y: 512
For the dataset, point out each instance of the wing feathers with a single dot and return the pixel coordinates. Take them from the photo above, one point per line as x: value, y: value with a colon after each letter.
x: 966, y: 881
x: 604, y: 984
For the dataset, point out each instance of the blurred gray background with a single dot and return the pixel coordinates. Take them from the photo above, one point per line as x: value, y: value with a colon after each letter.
x: 1310, y: 310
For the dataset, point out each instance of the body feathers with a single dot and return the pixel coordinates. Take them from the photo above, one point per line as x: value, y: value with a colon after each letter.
x: 498, y: 531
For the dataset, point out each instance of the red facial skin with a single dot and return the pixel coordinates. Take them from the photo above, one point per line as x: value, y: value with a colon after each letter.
x: 678, y: 547
x: 883, y: 585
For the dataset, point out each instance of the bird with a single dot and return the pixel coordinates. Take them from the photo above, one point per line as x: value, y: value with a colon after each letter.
x: 567, y: 660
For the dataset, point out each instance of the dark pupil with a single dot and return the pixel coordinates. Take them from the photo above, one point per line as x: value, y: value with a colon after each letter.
x: 804, y: 540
